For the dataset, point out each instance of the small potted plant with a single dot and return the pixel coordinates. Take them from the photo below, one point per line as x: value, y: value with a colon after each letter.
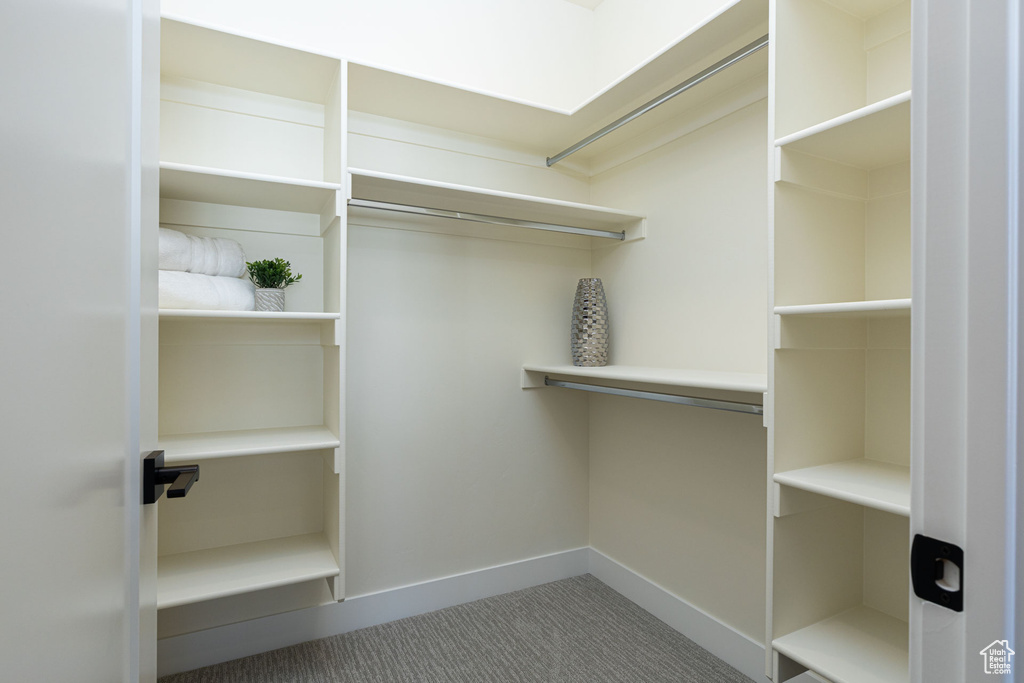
x: 271, y: 276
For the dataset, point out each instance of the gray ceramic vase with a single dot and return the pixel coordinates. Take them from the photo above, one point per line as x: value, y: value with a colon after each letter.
x: 589, y: 334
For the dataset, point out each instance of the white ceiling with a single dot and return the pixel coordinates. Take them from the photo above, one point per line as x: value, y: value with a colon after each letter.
x: 589, y: 4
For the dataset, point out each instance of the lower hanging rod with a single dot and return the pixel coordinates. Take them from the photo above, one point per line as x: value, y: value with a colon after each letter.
x: 707, y: 73
x: 750, y: 408
x: 483, y: 218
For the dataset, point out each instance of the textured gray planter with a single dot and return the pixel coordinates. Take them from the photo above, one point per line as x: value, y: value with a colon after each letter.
x: 270, y: 300
x: 589, y: 335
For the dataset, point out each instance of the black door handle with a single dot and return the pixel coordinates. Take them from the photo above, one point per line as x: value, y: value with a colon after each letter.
x: 155, y: 476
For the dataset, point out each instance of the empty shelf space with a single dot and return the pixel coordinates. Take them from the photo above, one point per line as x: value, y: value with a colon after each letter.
x: 254, y: 190
x: 533, y: 376
x: 294, y: 316
x: 878, y: 485
x: 850, y: 309
x: 386, y: 188
x: 185, y: 447
x: 191, y: 577
x: 860, y: 645
x: 871, y: 137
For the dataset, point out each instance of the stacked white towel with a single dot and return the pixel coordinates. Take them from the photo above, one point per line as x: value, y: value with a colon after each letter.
x: 210, y: 292
x: 201, y: 255
x: 203, y: 273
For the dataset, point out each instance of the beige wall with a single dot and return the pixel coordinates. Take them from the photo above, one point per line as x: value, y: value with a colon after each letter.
x: 677, y: 494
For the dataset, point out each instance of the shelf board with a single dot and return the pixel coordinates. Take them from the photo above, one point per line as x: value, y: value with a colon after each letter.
x: 882, y: 308
x: 287, y: 316
x: 254, y: 190
x: 397, y: 189
x: 180, y: 448
x: 860, y: 645
x: 871, y: 137
x: 693, y: 379
x: 186, y: 578
x: 873, y: 484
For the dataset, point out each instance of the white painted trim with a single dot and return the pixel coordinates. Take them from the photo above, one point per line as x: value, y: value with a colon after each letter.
x: 203, y: 648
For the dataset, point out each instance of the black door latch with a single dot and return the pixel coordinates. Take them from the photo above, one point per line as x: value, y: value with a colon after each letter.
x: 937, y: 570
x: 155, y: 476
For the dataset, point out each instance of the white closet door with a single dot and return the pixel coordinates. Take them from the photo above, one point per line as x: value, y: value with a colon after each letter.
x: 966, y: 316
x: 70, y: 215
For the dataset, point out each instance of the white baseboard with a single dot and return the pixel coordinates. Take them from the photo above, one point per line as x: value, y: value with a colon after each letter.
x: 212, y: 646
x: 221, y: 644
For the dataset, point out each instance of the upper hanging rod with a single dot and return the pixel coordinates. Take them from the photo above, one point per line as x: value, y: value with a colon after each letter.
x: 483, y: 218
x: 750, y: 408
x: 664, y: 97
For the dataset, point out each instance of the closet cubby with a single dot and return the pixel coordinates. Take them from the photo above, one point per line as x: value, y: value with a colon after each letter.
x: 837, y: 56
x: 841, y: 594
x: 842, y: 211
x: 236, y: 104
x: 251, y: 150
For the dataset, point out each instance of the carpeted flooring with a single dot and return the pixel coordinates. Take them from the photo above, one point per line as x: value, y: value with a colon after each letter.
x: 576, y: 630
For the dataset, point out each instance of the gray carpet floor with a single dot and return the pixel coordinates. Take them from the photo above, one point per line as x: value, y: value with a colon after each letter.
x: 576, y: 630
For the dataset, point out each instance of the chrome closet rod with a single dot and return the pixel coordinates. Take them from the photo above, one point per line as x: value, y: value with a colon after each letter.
x: 483, y: 218
x: 663, y: 98
x: 750, y: 408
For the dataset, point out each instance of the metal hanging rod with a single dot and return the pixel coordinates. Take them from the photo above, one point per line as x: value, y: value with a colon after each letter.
x: 663, y: 98
x: 483, y: 218
x: 750, y: 408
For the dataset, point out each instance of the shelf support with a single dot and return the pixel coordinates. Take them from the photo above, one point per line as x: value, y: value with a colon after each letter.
x: 707, y: 73
x: 483, y: 218
x: 731, y: 406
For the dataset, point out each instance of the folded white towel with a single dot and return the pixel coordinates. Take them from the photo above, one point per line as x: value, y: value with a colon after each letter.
x: 201, y: 255
x: 190, y: 290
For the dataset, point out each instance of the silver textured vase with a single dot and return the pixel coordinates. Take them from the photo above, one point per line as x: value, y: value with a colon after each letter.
x: 589, y: 334
x: 270, y: 300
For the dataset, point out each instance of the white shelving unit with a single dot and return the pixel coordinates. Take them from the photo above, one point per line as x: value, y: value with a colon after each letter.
x: 839, y: 476
x: 199, y: 575
x: 252, y: 150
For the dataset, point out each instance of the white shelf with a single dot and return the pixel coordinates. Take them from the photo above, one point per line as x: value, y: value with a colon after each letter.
x: 200, y: 575
x: 206, y: 445
x: 860, y: 645
x: 397, y: 189
x: 878, y: 485
x: 871, y: 137
x: 694, y: 379
x: 287, y: 316
x: 254, y: 190
x: 882, y: 308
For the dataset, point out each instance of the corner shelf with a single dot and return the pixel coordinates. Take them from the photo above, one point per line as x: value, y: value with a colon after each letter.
x: 881, y: 308
x: 417, y: 192
x: 870, y: 137
x: 879, y: 485
x: 740, y: 382
x: 209, y: 445
x: 200, y: 575
x: 860, y: 645
x: 234, y: 188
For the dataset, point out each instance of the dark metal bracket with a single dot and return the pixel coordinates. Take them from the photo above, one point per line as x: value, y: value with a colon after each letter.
x: 155, y: 477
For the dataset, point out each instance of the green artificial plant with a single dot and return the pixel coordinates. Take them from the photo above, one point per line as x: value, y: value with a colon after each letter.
x: 272, y: 274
